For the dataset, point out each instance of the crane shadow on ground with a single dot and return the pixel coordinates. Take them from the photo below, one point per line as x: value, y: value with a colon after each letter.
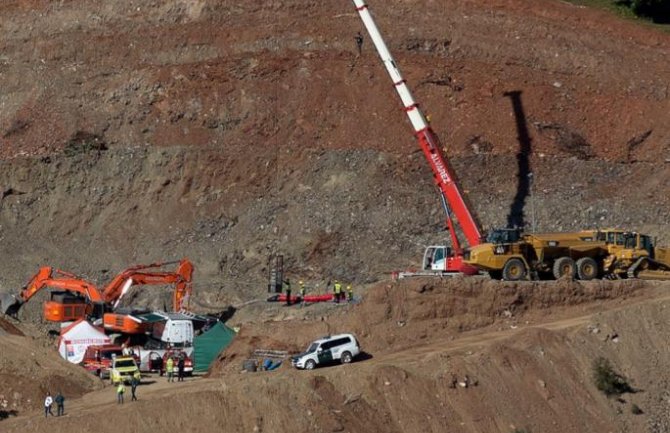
x: 516, y: 217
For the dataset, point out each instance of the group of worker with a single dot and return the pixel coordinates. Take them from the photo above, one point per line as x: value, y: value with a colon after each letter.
x: 340, y: 293
x: 49, y: 401
x: 121, y: 388
x: 169, y: 369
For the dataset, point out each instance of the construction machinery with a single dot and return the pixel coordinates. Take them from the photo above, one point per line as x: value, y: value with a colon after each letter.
x: 633, y: 255
x: 508, y: 253
x: 79, y: 298
x: 438, y: 260
x: 140, y: 275
x: 513, y: 255
x: 585, y: 255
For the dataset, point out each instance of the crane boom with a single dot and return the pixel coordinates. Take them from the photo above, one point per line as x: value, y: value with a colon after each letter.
x: 453, y: 199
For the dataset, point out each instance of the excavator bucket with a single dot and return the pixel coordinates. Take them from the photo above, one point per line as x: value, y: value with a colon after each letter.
x: 10, y: 304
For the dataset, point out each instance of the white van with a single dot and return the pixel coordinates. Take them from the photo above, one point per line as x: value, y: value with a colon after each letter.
x: 343, y: 348
x: 174, y: 331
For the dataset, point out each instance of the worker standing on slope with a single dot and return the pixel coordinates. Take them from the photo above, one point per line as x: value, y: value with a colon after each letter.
x: 48, y: 401
x: 350, y: 293
x: 359, y: 42
x: 180, y: 368
x: 169, y: 369
x: 133, y: 385
x: 287, y: 288
x: 120, y: 390
x: 338, y: 291
x: 303, y: 291
x: 60, y: 404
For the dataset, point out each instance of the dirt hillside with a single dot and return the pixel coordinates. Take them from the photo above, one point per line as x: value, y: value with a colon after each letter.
x: 28, y: 371
x: 224, y: 131
x: 155, y: 131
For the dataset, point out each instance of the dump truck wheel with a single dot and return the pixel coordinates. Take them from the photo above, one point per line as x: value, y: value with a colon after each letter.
x: 587, y: 268
x: 564, y: 266
x: 514, y: 270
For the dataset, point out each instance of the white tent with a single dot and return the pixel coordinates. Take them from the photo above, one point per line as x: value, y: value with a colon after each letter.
x: 75, y: 339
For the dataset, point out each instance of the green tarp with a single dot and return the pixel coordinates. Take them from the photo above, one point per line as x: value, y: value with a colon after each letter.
x: 207, y: 346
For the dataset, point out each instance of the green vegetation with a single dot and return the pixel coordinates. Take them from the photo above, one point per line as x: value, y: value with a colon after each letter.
x: 611, y: 383
x: 657, y: 11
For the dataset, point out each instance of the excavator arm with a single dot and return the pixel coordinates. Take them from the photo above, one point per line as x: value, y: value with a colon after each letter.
x: 139, y: 276
x: 57, y: 279
x: 48, y: 277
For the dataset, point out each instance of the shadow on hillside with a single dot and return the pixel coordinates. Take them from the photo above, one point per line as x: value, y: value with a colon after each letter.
x: 364, y: 356
x: 4, y: 414
x: 515, y: 218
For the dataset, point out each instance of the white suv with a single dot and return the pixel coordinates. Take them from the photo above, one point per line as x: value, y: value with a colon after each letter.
x: 343, y: 348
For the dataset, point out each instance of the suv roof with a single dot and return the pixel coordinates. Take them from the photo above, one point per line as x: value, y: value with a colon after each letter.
x: 124, y: 358
x: 332, y: 337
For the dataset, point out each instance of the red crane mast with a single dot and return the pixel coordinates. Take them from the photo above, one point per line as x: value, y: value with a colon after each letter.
x: 452, y: 197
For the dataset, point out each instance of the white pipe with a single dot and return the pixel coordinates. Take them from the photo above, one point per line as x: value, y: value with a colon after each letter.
x: 124, y: 290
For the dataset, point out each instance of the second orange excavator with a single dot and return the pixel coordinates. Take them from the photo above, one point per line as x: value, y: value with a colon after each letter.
x: 138, y: 275
x: 78, y: 298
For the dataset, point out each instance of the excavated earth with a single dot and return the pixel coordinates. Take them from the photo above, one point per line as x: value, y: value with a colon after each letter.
x: 222, y: 131
x: 527, y: 350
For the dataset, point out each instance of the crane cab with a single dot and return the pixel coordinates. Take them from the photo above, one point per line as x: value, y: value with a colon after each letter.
x: 435, y: 258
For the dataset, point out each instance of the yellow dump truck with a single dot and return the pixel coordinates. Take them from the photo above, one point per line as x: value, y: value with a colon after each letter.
x: 512, y: 255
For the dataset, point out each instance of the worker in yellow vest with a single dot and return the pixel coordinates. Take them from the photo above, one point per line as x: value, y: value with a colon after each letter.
x: 350, y: 293
x: 338, y: 291
x: 303, y: 291
x: 169, y: 369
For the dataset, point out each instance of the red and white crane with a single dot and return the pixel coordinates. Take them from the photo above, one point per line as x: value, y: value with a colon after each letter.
x: 436, y: 258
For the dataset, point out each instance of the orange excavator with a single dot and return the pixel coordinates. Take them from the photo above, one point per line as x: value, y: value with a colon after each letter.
x: 119, y: 286
x: 79, y: 298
